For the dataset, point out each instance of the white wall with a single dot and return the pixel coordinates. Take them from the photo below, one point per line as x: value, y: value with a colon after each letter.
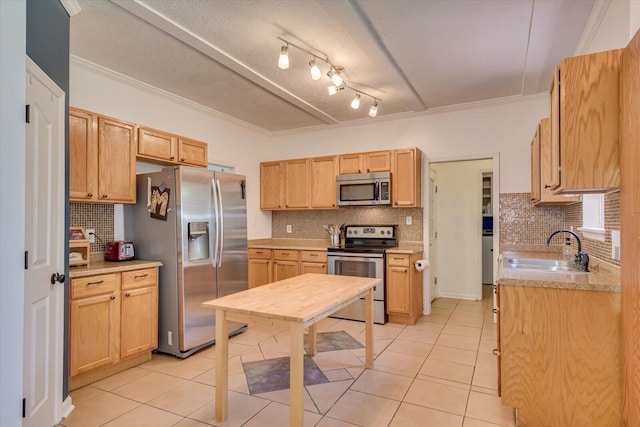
x: 230, y: 144
x: 12, y: 198
x: 614, y: 30
x: 459, y: 226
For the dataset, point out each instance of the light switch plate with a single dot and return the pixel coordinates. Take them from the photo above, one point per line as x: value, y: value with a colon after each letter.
x: 288, y: 228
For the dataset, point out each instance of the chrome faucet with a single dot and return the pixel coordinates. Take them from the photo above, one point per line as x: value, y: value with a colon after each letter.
x: 582, y: 259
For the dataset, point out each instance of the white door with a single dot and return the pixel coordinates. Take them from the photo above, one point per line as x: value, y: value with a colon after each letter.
x: 44, y: 243
x: 433, y: 236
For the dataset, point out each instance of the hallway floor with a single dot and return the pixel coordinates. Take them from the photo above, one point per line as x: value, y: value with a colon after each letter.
x: 439, y: 372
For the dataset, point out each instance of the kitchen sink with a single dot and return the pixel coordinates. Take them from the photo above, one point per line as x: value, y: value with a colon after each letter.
x: 557, y: 265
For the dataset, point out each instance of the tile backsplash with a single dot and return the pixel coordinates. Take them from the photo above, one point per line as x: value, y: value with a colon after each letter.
x: 308, y: 224
x: 98, y: 216
x: 523, y: 223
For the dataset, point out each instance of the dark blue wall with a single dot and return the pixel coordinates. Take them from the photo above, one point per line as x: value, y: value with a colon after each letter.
x: 48, y: 46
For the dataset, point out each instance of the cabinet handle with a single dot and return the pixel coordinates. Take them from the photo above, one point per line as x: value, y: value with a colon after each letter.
x: 259, y: 252
x: 89, y: 194
x: 405, y: 270
x: 547, y: 186
x: 128, y: 294
x: 104, y: 196
x: 367, y: 169
x: 313, y: 254
x: 182, y: 159
x: 113, y: 297
x: 172, y: 157
x: 495, y: 352
x: 140, y: 276
x: 495, y: 310
x: 96, y: 283
x: 285, y: 253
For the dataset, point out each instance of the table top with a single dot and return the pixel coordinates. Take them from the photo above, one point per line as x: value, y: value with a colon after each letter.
x: 304, y: 298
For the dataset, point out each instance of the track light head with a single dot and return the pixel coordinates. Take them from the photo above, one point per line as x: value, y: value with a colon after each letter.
x: 316, y: 74
x: 334, y: 75
x: 355, y: 104
x: 373, y: 111
x: 283, y: 60
x: 335, y: 89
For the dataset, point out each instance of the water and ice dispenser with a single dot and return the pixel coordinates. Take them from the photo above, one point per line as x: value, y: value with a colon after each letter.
x: 198, y: 247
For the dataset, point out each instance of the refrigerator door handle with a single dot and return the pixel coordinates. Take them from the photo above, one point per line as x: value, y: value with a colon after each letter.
x: 221, y: 222
x: 216, y: 246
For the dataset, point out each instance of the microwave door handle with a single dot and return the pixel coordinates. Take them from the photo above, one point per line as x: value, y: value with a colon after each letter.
x: 214, y: 207
x: 376, y: 191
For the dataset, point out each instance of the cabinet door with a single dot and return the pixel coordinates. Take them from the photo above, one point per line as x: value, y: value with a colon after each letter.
x: 259, y: 272
x: 398, y: 290
x: 296, y: 179
x: 535, y: 166
x: 284, y: 270
x: 139, y: 321
x: 313, y: 267
x: 191, y: 152
x: 351, y: 163
x: 157, y: 145
x: 406, y: 179
x: 323, y: 182
x: 93, y: 330
x: 271, y: 185
x: 554, y: 111
x: 116, y: 161
x: 83, y: 156
x: 377, y: 161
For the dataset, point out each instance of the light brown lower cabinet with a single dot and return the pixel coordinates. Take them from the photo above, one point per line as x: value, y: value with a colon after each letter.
x: 260, y: 267
x: 560, y: 356
x: 113, y: 323
x: 267, y: 265
x: 404, y: 288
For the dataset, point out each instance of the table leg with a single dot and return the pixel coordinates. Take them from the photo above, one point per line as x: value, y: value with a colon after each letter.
x: 296, y: 383
x: 222, y: 366
x: 312, y: 340
x: 368, y: 302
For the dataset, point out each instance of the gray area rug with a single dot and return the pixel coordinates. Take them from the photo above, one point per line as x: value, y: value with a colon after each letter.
x: 273, y: 374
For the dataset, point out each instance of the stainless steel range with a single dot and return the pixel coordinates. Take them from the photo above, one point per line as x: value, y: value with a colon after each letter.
x: 363, y: 255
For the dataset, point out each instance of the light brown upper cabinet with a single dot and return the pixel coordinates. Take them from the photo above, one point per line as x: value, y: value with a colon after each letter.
x: 584, y: 124
x: 323, y: 181
x: 541, y: 193
x: 406, y: 174
x: 165, y: 148
x: 296, y: 184
x: 271, y: 185
x: 102, y: 158
x: 373, y: 161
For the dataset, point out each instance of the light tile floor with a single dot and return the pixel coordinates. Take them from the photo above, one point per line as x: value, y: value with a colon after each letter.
x: 439, y: 372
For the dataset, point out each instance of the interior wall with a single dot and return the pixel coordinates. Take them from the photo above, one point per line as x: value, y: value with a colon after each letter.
x: 613, y: 31
x: 459, y: 227
x: 12, y: 201
x: 230, y: 144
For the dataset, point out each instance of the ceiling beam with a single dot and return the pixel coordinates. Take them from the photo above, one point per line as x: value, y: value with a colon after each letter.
x: 163, y: 23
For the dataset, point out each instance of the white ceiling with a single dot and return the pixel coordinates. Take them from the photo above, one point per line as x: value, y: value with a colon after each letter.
x: 412, y: 54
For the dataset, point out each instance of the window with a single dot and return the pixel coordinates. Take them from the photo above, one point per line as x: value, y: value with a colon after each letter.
x: 593, y: 217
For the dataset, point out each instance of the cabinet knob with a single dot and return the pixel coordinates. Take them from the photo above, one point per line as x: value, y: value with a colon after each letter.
x: 495, y: 352
x: 182, y: 159
x: 128, y: 294
x: 89, y: 194
x: 172, y: 157
x: 113, y: 297
x: 105, y: 195
x: 547, y: 186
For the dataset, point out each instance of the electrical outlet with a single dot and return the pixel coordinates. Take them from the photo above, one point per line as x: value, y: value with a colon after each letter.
x: 92, y: 234
x: 408, y: 220
x: 288, y: 228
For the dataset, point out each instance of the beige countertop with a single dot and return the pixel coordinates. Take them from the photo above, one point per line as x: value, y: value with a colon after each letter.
x: 322, y: 245
x: 602, y: 276
x: 105, y: 267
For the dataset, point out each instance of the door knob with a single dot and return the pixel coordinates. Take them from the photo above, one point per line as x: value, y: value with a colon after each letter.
x: 57, y: 277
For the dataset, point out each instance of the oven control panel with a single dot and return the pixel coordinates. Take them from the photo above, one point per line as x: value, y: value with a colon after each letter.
x: 371, y: 231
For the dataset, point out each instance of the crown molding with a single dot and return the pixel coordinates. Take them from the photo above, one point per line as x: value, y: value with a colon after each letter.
x: 591, y: 27
x: 153, y: 90
x: 71, y: 6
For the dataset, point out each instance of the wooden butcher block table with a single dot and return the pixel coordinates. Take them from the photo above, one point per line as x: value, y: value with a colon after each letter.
x: 296, y: 303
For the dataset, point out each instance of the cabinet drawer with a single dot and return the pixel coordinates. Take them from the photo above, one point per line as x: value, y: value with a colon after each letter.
x: 398, y: 260
x: 285, y: 254
x: 260, y: 253
x: 94, y: 285
x: 313, y: 256
x: 140, y: 278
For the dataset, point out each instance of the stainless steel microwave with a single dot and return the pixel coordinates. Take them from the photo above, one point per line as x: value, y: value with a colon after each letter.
x: 364, y: 189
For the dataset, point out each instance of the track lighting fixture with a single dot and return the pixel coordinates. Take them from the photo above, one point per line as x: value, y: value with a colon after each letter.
x: 335, y: 73
x: 283, y: 61
x: 373, y: 111
x: 316, y: 74
x: 355, y: 104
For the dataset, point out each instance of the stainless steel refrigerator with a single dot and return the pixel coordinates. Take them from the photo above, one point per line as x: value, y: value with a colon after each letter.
x: 194, y: 221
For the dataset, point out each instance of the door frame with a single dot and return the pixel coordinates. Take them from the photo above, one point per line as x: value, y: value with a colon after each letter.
x: 495, y: 193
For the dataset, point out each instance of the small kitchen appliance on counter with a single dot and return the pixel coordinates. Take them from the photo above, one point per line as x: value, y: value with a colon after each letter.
x: 363, y: 255
x: 119, y: 251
